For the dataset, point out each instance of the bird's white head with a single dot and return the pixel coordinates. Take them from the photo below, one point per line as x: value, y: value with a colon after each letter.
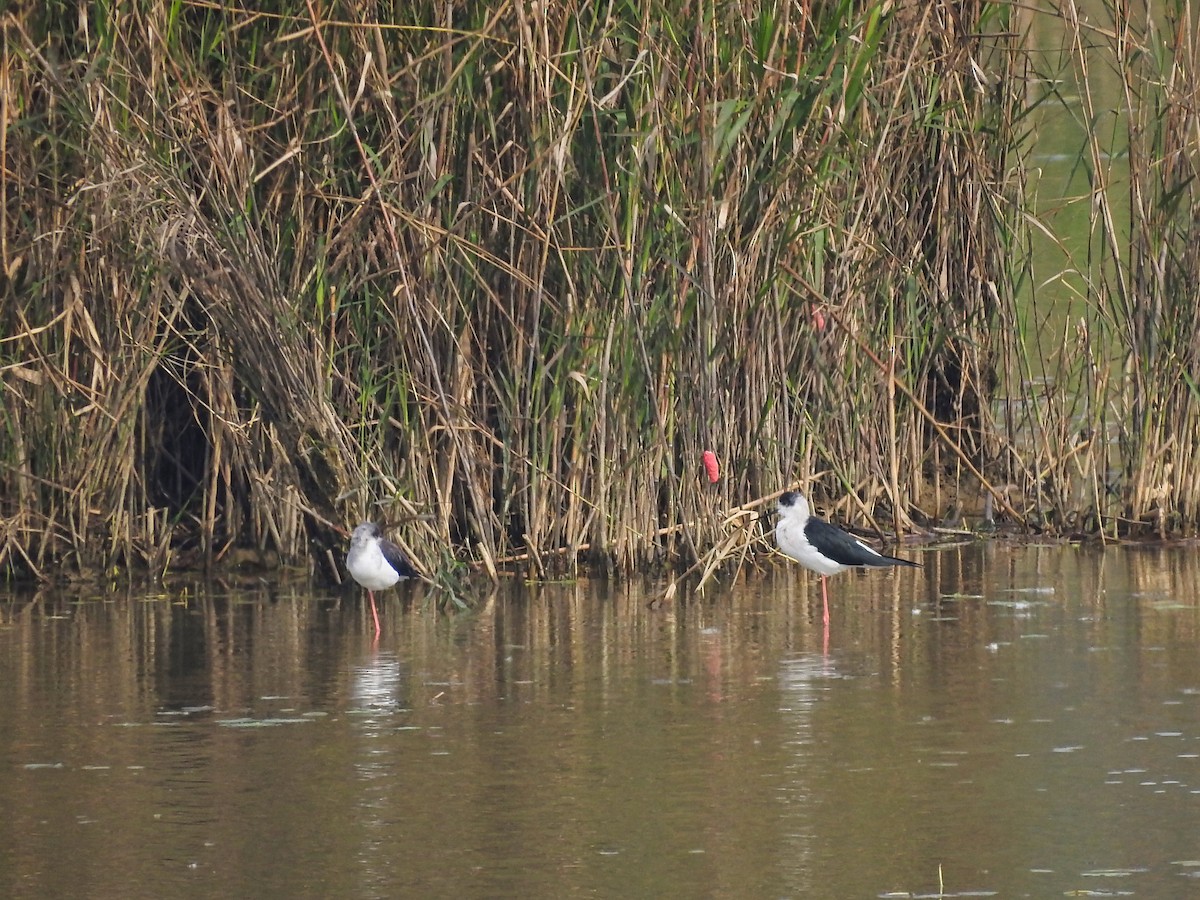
x: 792, y: 505
x: 364, y: 534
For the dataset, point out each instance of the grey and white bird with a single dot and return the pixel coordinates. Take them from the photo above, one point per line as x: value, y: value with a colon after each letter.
x: 376, y: 563
x: 821, y: 547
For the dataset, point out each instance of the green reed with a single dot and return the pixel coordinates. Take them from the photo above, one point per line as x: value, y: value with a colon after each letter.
x: 1102, y: 420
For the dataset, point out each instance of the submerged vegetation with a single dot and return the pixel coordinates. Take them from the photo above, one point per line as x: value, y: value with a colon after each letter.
x: 508, y: 270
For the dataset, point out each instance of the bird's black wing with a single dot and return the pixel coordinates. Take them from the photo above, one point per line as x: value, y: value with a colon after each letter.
x: 845, y: 549
x: 396, y: 559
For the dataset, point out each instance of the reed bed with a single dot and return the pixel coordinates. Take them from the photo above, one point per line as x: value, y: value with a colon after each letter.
x: 505, y: 272
x: 1099, y: 424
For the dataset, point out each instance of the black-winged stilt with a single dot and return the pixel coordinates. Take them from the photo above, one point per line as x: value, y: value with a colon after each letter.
x: 822, y: 547
x: 376, y: 563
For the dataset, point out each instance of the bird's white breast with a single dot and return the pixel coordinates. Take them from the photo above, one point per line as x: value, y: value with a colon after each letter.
x: 789, y: 535
x: 368, y: 567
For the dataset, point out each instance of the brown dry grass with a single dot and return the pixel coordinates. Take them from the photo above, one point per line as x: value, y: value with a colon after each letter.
x: 270, y: 271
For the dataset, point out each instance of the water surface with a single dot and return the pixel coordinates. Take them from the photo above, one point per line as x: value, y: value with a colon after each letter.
x: 1007, y: 721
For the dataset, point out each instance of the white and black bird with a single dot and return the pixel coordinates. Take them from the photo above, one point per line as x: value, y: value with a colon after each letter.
x: 822, y: 547
x: 376, y: 563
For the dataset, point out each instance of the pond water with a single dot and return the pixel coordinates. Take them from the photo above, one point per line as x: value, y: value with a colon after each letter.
x: 1008, y: 721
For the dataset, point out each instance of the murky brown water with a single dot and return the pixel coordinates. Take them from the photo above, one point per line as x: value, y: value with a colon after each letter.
x: 1036, y: 733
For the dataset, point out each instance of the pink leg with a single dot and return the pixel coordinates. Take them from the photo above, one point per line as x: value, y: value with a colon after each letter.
x: 824, y: 617
x: 374, y: 614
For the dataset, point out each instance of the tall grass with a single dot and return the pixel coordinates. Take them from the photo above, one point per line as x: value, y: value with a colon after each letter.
x: 1101, y: 425
x: 515, y: 267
